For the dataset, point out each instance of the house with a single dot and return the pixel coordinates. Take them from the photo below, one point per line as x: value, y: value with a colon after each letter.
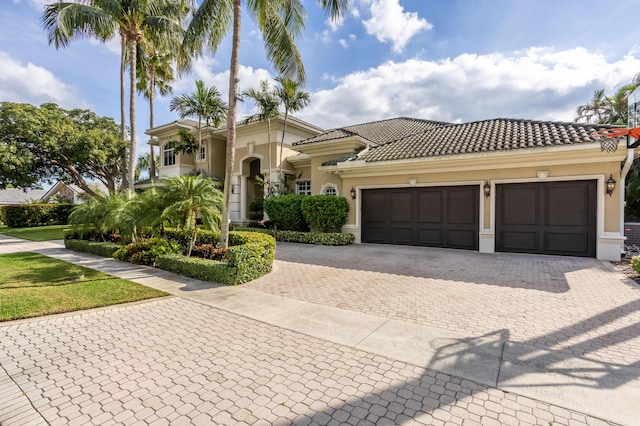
x: 499, y: 185
x: 61, y: 191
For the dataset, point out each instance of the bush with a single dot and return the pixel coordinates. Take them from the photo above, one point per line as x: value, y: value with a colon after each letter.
x: 635, y: 264
x: 93, y: 247
x: 256, y: 208
x: 326, y: 239
x: 285, y: 213
x: 203, y: 237
x: 145, y: 252
x: 249, y: 255
x: 209, y: 251
x: 29, y: 215
x: 326, y: 213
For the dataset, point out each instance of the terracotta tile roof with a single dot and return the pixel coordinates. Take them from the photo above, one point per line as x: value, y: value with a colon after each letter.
x: 500, y: 134
x: 377, y: 132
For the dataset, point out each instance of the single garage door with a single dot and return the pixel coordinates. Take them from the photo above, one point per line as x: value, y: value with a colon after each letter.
x: 547, y: 218
x: 435, y: 216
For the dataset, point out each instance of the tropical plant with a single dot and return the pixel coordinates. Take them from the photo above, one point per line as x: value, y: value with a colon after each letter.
x: 596, y: 111
x: 293, y: 100
x: 205, y: 103
x: 155, y: 71
x: 144, y: 164
x: 185, y: 144
x: 189, y: 198
x: 266, y: 100
x: 134, y: 21
x: 280, y: 23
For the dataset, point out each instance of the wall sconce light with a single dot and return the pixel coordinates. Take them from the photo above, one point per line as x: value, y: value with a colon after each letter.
x: 353, y: 193
x: 487, y: 189
x: 611, y: 185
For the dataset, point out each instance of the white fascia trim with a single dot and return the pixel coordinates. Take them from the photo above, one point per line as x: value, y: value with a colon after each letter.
x: 332, y: 146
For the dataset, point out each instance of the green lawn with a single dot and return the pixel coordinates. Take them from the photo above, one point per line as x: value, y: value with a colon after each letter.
x: 32, y: 285
x: 39, y: 233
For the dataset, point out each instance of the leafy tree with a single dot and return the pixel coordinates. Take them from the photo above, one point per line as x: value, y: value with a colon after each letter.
x: 293, y: 99
x: 205, y: 103
x: 51, y: 143
x: 266, y: 99
x: 189, y: 198
x: 280, y: 23
x: 134, y: 21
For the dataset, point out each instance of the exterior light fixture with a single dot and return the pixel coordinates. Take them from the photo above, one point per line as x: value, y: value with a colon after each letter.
x: 611, y: 185
x: 353, y: 193
x: 487, y: 189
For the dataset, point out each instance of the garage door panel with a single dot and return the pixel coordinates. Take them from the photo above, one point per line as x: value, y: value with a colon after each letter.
x: 430, y: 237
x: 434, y: 216
x: 519, y: 241
x: 565, y: 242
x: 522, y: 206
x: 547, y: 218
x: 429, y: 207
x: 462, y: 239
x: 401, y: 203
x: 567, y: 206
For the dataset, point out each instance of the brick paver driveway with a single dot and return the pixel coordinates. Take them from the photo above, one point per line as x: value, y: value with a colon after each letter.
x: 176, y: 361
x: 563, y: 303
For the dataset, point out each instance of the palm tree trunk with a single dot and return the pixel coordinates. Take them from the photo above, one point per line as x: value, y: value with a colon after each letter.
x: 269, y: 186
x: 152, y: 161
x: 284, y: 126
x: 231, y: 125
x: 123, y: 118
x: 199, y: 140
x: 132, y: 115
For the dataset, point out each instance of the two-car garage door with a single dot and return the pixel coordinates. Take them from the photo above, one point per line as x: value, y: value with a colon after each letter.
x: 538, y: 217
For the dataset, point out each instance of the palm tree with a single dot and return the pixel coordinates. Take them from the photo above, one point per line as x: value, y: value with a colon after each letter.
x: 155, y: 71
x: 144, y: 164
x: 266, y: 99
x: 135, y: 21
x: 619, y: 105
x: 293, y: 100
x: 189, y: 198
x: 185, y: 144
x: 205, y: 103
x: 597, y: 111
x: 280, y: 22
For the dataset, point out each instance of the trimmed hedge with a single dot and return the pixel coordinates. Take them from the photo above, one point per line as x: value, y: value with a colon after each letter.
x: 326, y: 239
x: 327, y: 213
x: 145, y: 252
x: 285, y: 213
x: 29, y: 215
x: 93, y: 247
x: 249, y: 256
x: 203, y: 237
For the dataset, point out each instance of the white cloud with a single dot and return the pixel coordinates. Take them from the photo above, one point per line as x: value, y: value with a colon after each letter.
x: 390, y: 23
x: 112, y: 45
x: 34, y: 84
x: 539, y: 83
x: 343, y: 43
x: 336, y: 23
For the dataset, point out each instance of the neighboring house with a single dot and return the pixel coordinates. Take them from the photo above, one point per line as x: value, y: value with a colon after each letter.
x: 505, y: 185
x: 59, y: 192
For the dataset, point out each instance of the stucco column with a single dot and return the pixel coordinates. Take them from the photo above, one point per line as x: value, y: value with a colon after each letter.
x: 243, y: 197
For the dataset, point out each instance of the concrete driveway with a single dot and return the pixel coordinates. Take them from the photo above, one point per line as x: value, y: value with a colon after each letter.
x: 348, y: 335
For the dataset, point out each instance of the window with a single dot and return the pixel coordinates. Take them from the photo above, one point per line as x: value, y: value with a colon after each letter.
x: 303, y: 187
x: 329, y: 189
x: 169, y: 158
x: 203, y: 153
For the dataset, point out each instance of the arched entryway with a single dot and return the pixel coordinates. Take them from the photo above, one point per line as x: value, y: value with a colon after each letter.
x: 252, y: 186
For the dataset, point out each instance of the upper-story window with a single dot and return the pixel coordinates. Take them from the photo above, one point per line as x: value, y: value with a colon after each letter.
x: 202, y: 155
x: 329, y: 189
x: 169, y: 157
x: 303, y: 187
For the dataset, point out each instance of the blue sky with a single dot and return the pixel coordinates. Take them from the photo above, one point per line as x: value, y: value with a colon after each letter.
x: 451, y: 60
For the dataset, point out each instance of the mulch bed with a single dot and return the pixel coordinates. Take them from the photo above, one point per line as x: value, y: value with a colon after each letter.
x: 624, y: 266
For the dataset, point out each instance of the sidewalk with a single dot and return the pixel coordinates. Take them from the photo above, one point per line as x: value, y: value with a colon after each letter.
x: 607, y: 391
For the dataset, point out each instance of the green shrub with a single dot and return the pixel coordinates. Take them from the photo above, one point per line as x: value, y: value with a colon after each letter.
x: 93, y: 247
x: 209, y: 251
x: 201, y: 269
x: 203, y: 237
x: 285, y: 213
x: 145, y: 252
x: 256, y: 208
x: 29, y: 215
x: 326, y: 213
x: 327, y: 239
x: 635, y: 264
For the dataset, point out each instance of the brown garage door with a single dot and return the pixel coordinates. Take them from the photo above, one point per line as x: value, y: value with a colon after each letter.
x: 435, y: 217
x: 547, y: 218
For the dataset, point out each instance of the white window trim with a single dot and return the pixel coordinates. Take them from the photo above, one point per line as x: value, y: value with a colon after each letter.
x: 164, y: 158
x: 307, y: 192
x: 326, y: 186
x: 200, y: 157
